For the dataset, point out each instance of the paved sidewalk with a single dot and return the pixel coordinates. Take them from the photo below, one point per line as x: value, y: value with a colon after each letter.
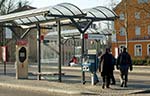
x: 74, y: 87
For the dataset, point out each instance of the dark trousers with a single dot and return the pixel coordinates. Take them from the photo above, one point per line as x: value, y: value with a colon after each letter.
x: 106, y: 80
x: 112, y: 78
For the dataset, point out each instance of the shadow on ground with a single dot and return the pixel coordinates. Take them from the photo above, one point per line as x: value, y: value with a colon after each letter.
x: 142, y: 92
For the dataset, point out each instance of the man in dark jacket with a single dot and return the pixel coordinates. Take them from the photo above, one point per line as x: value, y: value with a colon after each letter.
x: 124, y: 62
x: 106, y: 67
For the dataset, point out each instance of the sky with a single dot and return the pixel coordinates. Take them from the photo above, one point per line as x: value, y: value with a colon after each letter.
x: 82, y: 4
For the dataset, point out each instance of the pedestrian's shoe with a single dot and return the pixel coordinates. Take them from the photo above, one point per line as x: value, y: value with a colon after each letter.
x: 125, y: 84
x: 107, y: 87
x: 113, y: 83
x: 103, y: 86
x: 96, y: 82
x: 122, y: 84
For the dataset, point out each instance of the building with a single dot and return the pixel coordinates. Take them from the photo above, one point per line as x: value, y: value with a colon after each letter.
x: 132, y: 29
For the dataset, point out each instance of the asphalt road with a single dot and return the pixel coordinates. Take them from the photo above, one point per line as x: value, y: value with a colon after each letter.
x: 4, y: 91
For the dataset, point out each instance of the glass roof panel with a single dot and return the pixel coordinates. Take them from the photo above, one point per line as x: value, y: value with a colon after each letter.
x: 51, y: 13
x: 72, y: 7
x: 54, y: 11
x: 18, y: 21
x: 33, y: 19
x: 106, y: 11
x: 41, y: 18
x: 64, y: 10
x: 95, y: 13
x: 101, y: 13
x: 25, y: 20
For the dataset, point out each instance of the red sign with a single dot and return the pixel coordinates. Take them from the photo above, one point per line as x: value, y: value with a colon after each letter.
x: 85, y: 36
x: 42, y: 37
x: 22, y: 42
x: 4, y: 53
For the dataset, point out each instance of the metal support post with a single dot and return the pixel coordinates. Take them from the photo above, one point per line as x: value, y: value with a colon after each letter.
x: 82, y: 56
x: 74, y: 45
x: 59, y: 46
x: 39, y: 50
x: 4, y: 67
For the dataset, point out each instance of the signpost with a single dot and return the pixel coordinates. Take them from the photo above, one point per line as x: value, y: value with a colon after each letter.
x: 4, y: 57
x: 94, y: 36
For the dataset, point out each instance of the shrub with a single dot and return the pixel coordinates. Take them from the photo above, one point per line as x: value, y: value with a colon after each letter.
x: 139, y: 61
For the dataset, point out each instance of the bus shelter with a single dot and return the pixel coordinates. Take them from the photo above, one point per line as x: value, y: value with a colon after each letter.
x: 58, y: 15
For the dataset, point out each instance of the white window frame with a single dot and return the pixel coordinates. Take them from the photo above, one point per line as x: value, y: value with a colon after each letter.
x: 142, y: 1
x: 137, y: 15
x: 148, y: 29
x: 148, y: 15
x: 122, y: 31
x: 121, y: 16
x: 121, y: 47
x: 148, y: 49
x: 137, y: 30
x: 135, y: 48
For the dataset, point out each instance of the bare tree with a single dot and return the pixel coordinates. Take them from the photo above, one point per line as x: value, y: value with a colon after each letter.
x: 6, y: 6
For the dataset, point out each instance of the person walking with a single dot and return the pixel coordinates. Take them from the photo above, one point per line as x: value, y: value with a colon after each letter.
x: 112, y: 78
x: 105, y: 68
x: 124, y: 63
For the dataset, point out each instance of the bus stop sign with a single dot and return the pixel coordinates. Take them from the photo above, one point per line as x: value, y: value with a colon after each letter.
x: 94, y: 36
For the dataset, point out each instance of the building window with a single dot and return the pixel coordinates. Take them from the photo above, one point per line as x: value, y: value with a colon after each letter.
x: 138, y: 50
x: 148, y: 49
x: 137, y: 15
x: 143, y: 1
x: 148, y: 31
x: 121, y: 48
x: 121, y: 16
x: 148, y: 15
x: 137, y: 30
x: 93, y: 26
x: 122, y: 31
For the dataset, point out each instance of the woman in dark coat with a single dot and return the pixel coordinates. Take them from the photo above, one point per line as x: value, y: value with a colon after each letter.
x: 106, y: 67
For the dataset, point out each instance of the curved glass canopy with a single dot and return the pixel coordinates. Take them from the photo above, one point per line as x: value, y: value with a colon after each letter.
x: 101, y: 13
x: 61, y: 11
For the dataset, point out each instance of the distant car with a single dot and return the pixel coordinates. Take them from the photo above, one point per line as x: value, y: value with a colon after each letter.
x: 73, y: 64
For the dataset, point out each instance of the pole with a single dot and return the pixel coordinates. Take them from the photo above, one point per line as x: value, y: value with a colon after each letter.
x: 59, y: 53
x: 126, y: 23
x: 4, y: 67
x: 63, y: 54
x: 39, y: 51
x: 4, y: 49
x: 74, y: 43
x: 82, y: 56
